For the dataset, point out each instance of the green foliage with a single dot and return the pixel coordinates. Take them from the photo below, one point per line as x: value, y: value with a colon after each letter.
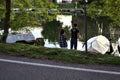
x: 67, y: 32
x: 2, y: 3
x: 2, y: 13
x: 24, y: 19
x: 110, y: 8
x: 113, y: 10
x: 70, y: 5
x: 51, y: 30
x: 25, y: 16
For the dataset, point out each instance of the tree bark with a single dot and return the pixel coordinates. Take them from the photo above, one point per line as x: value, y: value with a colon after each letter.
x: 7, y: 20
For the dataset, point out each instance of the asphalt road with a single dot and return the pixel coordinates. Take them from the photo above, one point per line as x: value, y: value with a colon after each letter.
x: 17, y: 68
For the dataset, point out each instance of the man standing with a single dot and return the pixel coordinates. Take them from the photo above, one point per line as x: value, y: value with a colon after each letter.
x: 74, y: 36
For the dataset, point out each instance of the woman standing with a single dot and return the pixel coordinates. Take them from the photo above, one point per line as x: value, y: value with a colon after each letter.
x: 62, y: 39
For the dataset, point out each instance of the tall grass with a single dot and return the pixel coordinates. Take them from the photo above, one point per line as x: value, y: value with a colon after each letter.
x: 64, y: 55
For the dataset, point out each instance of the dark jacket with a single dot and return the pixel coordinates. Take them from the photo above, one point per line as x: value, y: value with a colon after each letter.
x: 74, y: 33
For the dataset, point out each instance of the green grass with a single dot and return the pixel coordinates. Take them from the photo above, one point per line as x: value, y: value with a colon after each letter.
x: 64, y: 55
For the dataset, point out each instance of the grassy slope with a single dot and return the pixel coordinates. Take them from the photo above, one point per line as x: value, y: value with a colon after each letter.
x: 65, y: 55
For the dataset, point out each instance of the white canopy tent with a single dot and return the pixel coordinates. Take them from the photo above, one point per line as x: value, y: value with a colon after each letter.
x: 119, y: 41
x: 98, y: 44
x: 60, y: 1
x: 12, y: 38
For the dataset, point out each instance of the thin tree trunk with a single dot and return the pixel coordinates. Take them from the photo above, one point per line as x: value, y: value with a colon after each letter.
x: 7, y: 20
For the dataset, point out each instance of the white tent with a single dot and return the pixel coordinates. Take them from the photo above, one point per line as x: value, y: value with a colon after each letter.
x: 116, y: 48
x: 98, y: 44
x: 119, y: 41
x: 59, y: 1
x: 12, y: 38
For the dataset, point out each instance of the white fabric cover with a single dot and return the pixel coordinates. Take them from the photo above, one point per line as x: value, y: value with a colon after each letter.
x: 11, y: 38
x: 98, y: 44
x: 119, y: 41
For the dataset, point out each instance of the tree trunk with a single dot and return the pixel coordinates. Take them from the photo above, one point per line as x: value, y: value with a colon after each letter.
x: 7, y: 20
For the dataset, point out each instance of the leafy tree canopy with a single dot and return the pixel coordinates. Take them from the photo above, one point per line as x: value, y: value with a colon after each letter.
x: 110, y: 8
x: 29, y: 13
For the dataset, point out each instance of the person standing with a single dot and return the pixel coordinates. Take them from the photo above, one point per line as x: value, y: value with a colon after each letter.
x: 74, y: 37
x: 110, y: 47
x: 62, y: 39
x: 119, y: 45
